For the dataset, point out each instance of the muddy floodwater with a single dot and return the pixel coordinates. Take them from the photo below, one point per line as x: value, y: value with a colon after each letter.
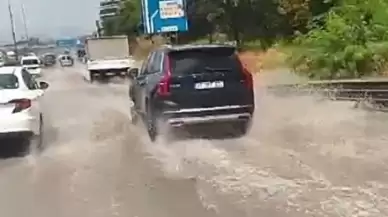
x: 304, y: 157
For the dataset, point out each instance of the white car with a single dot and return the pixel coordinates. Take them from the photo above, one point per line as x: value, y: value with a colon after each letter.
x: 20, y: 105
x: 66, y: 60
x: 32, y: 64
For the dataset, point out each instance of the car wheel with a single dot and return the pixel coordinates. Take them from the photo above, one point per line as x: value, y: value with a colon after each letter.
x: 242, y: 128
x: 36, y: 141
x: 134, y: 115
x: 151, y: 125
x: 40, y: 137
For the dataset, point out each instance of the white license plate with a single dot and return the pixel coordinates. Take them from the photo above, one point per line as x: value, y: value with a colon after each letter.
x: 209, y: 85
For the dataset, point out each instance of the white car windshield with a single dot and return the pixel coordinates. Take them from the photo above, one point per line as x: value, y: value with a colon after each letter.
x: 30, y: 62
x: 8, y: 81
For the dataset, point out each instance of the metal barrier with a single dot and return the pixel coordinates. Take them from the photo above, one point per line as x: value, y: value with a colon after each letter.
x: 375, y: 92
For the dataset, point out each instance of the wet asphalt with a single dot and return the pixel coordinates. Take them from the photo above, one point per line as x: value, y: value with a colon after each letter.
x: 303, y: 157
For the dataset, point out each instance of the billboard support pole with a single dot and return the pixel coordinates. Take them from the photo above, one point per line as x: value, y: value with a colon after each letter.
x: 176, y: 37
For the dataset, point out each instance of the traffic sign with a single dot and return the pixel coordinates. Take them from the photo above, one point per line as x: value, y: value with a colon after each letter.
x: 66, y: 42
x: 161, y: 16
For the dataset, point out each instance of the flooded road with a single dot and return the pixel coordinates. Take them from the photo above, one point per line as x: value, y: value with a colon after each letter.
x: 304, y: 157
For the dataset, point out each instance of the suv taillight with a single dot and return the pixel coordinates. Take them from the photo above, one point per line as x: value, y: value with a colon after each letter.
x: 248, y: 79
x: 164, y: 84
x: 20, y: 104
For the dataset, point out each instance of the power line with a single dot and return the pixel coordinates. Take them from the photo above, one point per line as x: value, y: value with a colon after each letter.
x: 25, y: 22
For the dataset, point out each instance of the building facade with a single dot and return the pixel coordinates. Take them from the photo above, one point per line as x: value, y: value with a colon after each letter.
x: 109, y: 8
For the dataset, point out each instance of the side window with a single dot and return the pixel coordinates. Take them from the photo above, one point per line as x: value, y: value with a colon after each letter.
x: 29, y: 80
x: 156, y: 64
x: 143, y: 67
x: 149, y: 63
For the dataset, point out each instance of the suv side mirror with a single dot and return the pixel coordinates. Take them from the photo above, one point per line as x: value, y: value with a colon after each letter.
x: 133, y: 72
x: 43, y: 85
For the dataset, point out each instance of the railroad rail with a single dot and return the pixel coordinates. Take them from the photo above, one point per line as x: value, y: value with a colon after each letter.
x: 371, y: 91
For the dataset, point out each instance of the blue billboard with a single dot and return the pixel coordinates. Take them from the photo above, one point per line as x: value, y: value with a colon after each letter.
x: 71, y: 42
x: 160, y: 16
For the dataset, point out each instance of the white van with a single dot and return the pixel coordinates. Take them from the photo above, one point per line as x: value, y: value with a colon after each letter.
x: 32, y: 64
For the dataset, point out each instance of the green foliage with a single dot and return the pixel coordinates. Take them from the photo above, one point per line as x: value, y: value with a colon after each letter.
x: 127, y: 20
x: 239, y: 20
x: 330, y: 38
x: 351, y: 43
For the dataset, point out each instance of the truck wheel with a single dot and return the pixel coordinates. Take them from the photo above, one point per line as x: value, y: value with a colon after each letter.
x: 134, y: 115
x: 91, y: 77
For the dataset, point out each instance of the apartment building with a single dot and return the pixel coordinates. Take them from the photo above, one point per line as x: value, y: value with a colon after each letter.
x: 109, y: 8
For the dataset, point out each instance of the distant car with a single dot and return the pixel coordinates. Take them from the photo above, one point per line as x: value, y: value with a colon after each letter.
x: 20, y: 108
x: 66, y: 60
x: 181, y: 86
x: 49, y: 59
x: 81, y: 53
x: 32, y: 64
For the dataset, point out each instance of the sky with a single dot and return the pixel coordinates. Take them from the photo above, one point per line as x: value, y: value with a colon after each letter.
x: 49, y: 18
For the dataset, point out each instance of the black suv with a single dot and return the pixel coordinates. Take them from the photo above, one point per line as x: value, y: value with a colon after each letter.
x: 185, y: 85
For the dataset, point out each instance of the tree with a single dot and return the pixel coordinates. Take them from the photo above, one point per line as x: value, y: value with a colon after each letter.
x: 127, y: 20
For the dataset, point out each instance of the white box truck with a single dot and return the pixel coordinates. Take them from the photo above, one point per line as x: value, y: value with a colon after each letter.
x: 107, y: 56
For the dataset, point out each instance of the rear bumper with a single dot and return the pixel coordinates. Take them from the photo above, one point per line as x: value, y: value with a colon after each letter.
x: 209, y: 119
x: 18, y: 125
x: 16, y: 135
x: 67, y: 63
x: 224, y: 114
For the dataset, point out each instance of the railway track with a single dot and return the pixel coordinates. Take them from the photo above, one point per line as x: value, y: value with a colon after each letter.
x: 372, y: 92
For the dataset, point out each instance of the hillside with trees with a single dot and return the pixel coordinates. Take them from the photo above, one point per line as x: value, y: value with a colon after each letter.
x: 326, y: 39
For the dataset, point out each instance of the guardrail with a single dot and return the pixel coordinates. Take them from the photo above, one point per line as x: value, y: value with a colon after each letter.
x: 373, y: 91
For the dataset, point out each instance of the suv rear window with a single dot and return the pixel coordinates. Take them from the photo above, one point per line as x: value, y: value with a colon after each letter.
x: 8, y: 81
x: 204, y: 60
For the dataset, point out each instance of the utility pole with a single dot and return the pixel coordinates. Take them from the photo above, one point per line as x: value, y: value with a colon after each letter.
x: 25, y: 22
x: 99, y: 30
x: 13, y: 29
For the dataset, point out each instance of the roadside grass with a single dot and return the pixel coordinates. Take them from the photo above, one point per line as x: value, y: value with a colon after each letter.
x: 141, y: 46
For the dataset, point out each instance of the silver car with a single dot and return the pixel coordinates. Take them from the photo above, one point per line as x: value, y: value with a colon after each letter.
x: 66, y: 60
